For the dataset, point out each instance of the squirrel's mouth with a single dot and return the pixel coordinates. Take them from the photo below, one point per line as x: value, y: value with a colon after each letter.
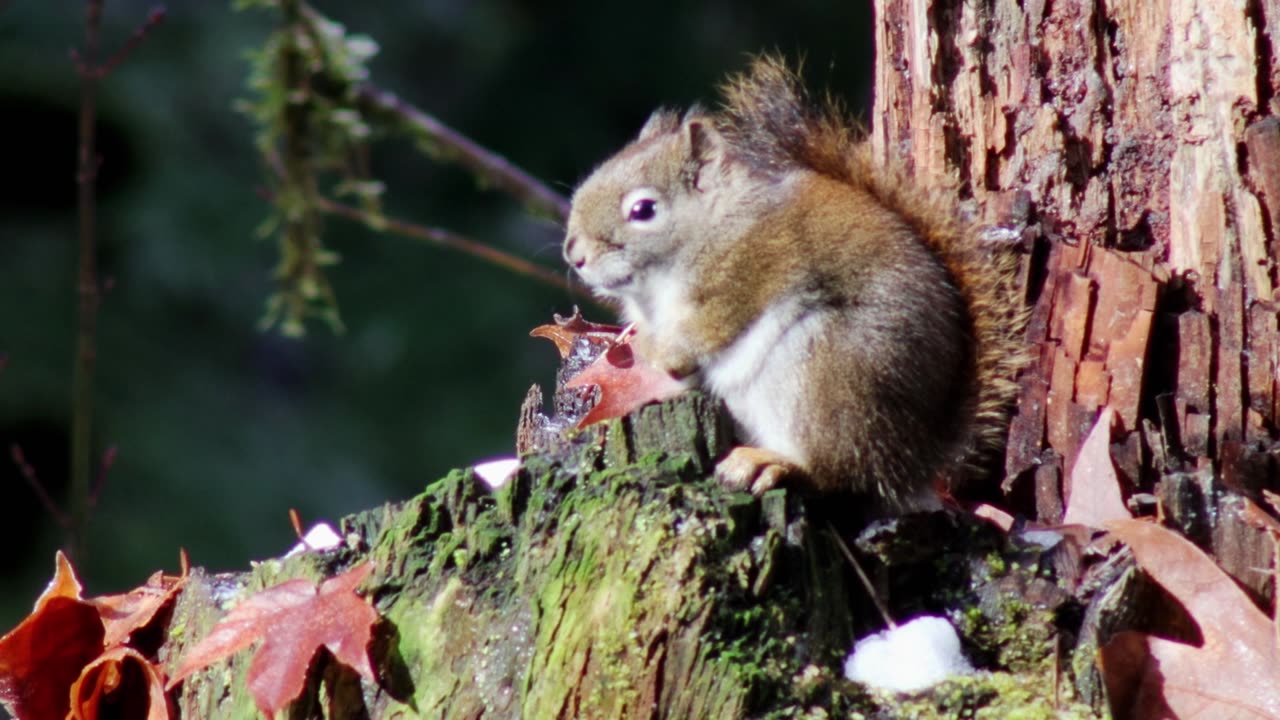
x: 603, y: 281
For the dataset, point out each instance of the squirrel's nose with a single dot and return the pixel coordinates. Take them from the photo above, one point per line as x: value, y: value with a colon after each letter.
x: 572, y: 255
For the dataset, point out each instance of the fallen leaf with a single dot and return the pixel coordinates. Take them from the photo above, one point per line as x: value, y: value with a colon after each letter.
x: 123, y: 614
x: 121, y: 683
x: 626, y: 382
x: 42, y: 657
x: 292, y: 620
x: 1234, y: 673
x: 566, y: 332
x: 1093, y: 488
x: 602, y: 355
x: 995, y: 516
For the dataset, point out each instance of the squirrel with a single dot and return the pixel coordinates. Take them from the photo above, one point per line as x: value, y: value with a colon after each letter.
x: 861, y: 336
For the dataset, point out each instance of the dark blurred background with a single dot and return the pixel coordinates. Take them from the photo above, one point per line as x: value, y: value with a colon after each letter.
x: 222, y: 428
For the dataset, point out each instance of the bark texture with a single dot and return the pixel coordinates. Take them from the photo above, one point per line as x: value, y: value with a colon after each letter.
x: 613, y: 579
x: 1133, y: 146
x: 602, y: 583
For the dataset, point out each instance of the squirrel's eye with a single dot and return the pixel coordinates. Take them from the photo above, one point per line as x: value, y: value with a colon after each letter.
x: 641, y: 206
x: 643, y: 210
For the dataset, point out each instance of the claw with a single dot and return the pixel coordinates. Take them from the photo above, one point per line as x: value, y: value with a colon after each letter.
x: 755, y: 469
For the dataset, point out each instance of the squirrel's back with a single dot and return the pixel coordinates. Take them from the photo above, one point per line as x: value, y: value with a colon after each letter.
x: 770, y: 119
x: 856, y: 328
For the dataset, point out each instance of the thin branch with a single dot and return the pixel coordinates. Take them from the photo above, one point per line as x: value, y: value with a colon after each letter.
x: 104, y: 467
x: 29, y: 474
x: 447, y: 239
x: 490, y: 167
x: 862, y: 576
x: 154, y: 18
x: 83, y: 495
x: 86, y: 351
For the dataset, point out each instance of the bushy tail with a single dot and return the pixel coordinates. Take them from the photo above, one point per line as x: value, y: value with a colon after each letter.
x: 769, y: 118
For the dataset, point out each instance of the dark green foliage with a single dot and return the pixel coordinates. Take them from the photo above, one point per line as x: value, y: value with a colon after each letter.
x: 222, y: 428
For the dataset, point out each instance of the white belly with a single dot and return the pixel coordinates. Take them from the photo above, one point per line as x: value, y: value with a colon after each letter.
x: 761, y: 377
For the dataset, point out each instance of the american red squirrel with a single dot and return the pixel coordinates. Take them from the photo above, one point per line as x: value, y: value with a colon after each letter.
x: 860, y: 335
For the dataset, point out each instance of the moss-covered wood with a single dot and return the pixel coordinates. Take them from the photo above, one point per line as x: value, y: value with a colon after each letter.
x: 613, y: 579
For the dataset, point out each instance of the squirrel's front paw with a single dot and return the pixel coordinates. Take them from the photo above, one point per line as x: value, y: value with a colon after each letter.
x: 671, y: 358
x: 755, y: 469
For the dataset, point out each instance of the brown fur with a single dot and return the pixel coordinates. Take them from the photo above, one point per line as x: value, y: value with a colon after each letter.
x: 769, y: 115
x: 853, y: 325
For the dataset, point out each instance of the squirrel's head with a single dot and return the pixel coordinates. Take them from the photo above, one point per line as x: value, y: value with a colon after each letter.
x: 649, y: 209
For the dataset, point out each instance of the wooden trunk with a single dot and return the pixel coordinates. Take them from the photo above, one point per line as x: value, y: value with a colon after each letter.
x: 1133, y: 147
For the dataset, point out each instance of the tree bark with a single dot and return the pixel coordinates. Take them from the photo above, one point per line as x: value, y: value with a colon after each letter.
x: 1134, y: 146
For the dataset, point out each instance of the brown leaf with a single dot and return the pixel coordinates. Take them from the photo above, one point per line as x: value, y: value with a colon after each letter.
x: 1234, y: 673
x: 134, y: 610
x: 292, y: 620
x: 43, y: 656
x: 995, y: 516
x: 566, y: 331
x: 626, y: 382
x: 120, y: 683
x: 1093, y: 491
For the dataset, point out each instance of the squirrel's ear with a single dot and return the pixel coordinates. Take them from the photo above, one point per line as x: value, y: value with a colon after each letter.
x: 706, y: 146
x: 661, y: 121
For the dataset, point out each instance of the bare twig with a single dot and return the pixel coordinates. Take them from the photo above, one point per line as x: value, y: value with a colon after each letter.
x: 82, y: 392
x: 388, y: 109
x: 154, y: 18
x: 90, y: 293
x: 29, y: 474
x: 104, y: 467
x: 862, y: 576
x: 490, y: 167
x: 295, y: 519
x: 445, y: 238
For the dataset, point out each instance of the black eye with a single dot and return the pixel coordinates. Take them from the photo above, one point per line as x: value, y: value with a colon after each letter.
x: 643, y: 210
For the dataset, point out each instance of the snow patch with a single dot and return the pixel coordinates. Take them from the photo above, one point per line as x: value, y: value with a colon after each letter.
x: 909, y: 658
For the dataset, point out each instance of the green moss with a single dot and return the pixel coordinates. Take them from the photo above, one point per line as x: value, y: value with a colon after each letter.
x: 989, y: 696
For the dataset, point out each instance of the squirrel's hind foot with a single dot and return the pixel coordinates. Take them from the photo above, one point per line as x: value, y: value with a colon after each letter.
x: 755, y: 469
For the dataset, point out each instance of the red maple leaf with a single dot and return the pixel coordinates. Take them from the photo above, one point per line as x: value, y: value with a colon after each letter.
x: 123, y: 614
x: 136, y: 684
x: 626, y: 382
x: 292, y: 620
x: 70, y: 653
x: 43, y: 656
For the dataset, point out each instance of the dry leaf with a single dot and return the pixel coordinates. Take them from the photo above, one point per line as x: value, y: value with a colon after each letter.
x: 567, y: 331
x: 123, y: 614
x: 292, y: 620
x: 625, y: 379
x: 1233, y: 674
x: 995, y: 516
x: 43, y: 656
x: 626, y: 382
x: 126, y: 681
x: 1093, y: 490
